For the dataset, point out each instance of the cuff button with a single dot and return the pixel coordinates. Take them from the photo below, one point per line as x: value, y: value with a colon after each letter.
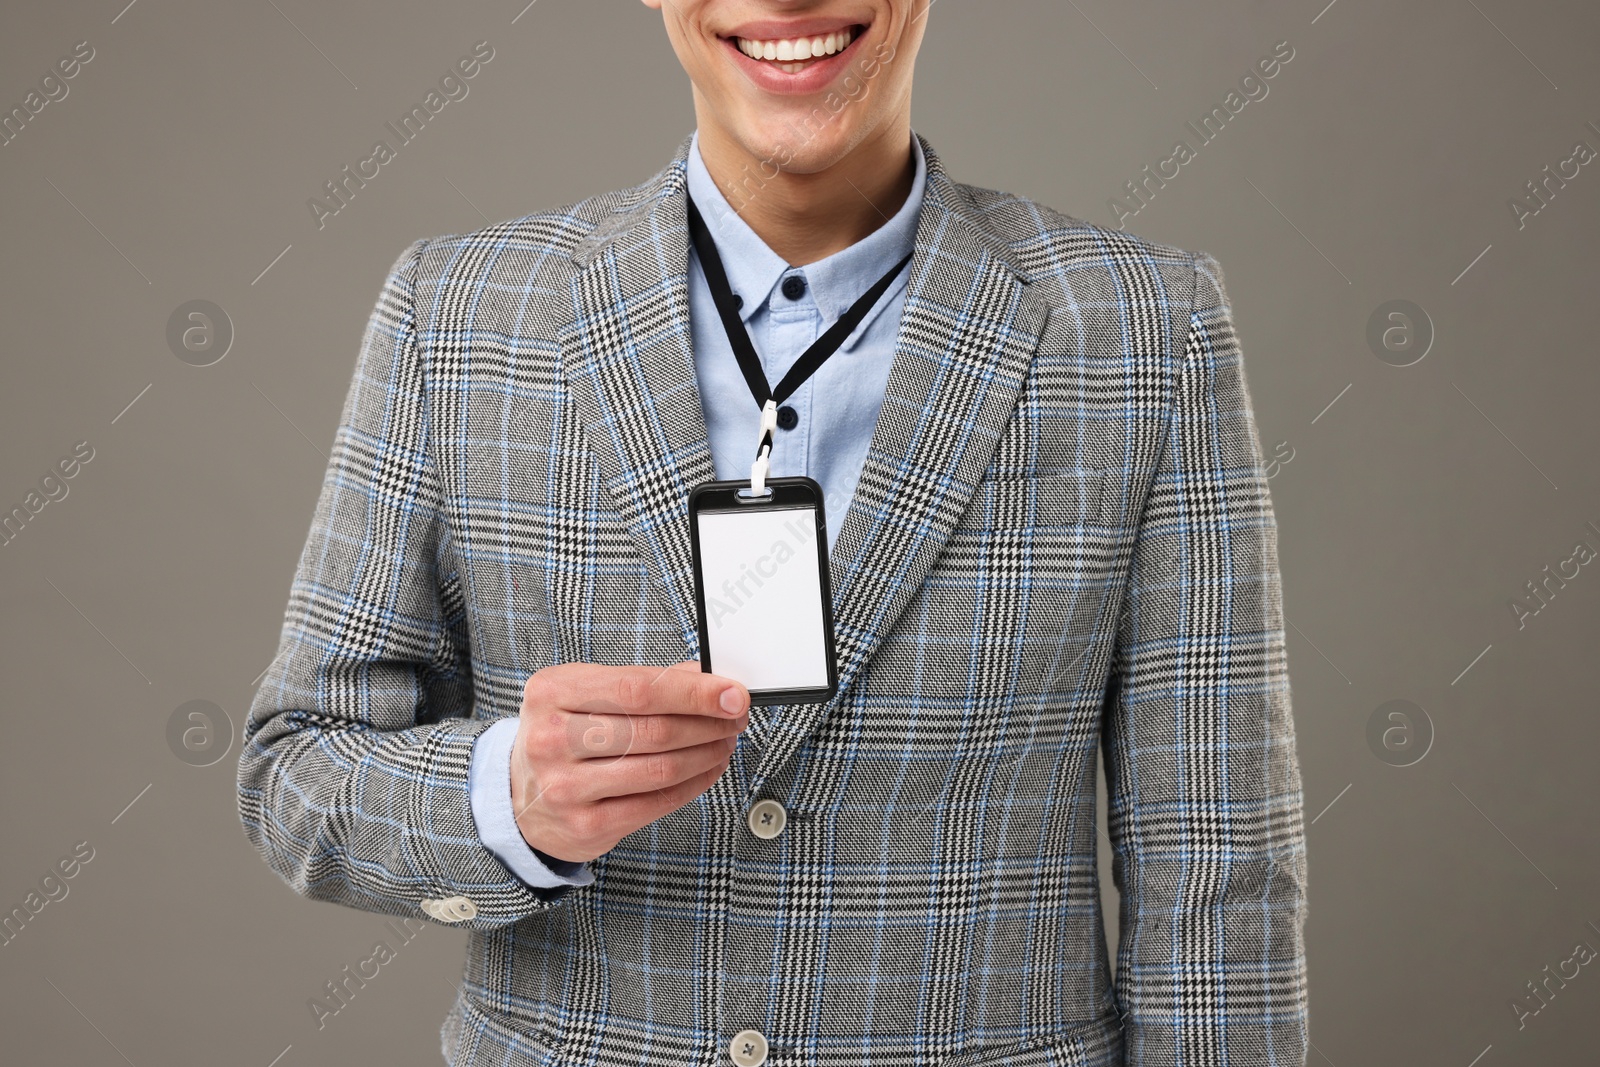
x: 450, y: 909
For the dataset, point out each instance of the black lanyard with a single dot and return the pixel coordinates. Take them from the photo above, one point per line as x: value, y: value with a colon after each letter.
x: 739, y: 337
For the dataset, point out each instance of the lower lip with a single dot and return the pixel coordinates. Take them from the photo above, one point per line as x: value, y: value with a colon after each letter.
x: 815, y: 77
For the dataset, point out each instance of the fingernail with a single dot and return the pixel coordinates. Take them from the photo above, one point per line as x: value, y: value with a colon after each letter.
x: 732, y: 701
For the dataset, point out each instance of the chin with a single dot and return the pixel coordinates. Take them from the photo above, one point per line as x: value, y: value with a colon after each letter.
x: 803, y: 139
x: 799, y: 150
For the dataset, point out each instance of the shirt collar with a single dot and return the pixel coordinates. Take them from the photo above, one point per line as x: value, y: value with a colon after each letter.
x: 836, y: 282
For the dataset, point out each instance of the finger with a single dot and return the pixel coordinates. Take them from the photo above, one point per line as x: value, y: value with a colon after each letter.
x: 648, y: 772
x: 642, y: 809
x: 648, y: 690
x: 593, y: 736
x: 686, y: 665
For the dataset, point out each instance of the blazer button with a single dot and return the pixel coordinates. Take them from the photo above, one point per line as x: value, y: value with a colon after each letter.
x: 767, y: 818
x: 748, y: 1048
x: 451, y: 909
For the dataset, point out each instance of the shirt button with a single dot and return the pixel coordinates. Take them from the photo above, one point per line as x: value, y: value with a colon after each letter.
x: 788, y: 418
x: 767, y: 818
x: 794, y: 287
x: 748, y: 1048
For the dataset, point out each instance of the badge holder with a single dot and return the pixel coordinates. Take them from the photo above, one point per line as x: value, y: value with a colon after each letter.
x: 761, y: 582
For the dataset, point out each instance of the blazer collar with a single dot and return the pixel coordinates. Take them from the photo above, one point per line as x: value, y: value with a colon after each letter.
x: 966, y: 336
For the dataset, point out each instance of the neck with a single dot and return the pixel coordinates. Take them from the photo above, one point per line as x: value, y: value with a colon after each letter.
x: 807, y: 217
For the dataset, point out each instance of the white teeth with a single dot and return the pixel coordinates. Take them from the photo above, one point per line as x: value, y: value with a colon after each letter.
x: 793, y: 52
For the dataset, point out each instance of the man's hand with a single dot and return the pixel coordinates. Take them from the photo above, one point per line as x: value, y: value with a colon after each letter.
x: 602, y: 751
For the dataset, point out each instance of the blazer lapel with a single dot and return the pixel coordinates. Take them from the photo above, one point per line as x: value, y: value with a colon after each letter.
x: 966, y: 337
x: 628, y: 355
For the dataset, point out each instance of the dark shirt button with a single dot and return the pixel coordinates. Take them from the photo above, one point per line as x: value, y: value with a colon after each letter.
x: 794, y: 287
x: 738, y: 301
x: 788, y: 418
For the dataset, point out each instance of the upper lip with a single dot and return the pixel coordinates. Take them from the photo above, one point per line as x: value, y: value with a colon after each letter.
x: 789, y: 29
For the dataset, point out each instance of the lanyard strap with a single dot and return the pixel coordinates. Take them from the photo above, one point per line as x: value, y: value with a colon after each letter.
x: 739, y: 338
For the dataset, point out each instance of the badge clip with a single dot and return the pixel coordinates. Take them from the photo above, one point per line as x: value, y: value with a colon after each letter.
x: 758, y: 473
x: 763, y: 463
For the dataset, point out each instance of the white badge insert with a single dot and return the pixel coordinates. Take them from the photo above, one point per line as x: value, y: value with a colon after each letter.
x: 763, y: 597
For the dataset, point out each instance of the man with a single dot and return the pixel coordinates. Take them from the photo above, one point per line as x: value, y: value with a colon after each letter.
x: 1050, y: 532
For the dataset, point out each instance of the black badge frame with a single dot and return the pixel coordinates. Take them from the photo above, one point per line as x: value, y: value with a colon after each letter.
x: 786, y: 494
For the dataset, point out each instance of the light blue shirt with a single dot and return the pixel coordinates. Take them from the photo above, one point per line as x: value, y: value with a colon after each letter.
x: 835, y: 413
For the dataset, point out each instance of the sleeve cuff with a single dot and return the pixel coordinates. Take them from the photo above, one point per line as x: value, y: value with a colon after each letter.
x: 489, y: 784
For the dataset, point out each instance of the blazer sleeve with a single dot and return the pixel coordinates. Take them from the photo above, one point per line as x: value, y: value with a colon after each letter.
x: 353, y: 779
x: 1205, y: 807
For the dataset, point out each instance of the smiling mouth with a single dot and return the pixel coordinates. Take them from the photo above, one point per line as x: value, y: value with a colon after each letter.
x: 794, y: 54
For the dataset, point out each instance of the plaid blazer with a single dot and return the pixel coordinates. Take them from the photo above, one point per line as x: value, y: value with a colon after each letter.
x: 1062, y: 541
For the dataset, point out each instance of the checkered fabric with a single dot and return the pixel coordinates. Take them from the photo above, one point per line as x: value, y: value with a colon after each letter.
x: 1062, y: 540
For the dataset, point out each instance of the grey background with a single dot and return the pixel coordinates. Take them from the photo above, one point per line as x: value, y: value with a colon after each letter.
x: 1414, y: 507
